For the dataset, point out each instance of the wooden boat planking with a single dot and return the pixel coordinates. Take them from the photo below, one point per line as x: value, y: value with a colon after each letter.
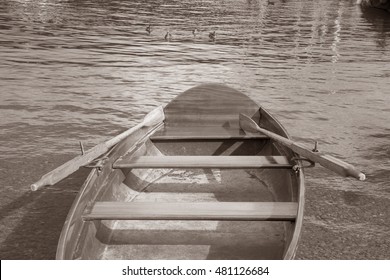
x: 205, y: 110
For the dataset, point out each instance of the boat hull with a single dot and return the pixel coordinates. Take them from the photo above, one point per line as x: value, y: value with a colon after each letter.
x: 201, y: 122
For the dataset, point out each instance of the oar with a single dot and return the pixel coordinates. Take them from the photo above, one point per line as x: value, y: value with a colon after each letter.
x: 330, y: 162
x: 71, y: 166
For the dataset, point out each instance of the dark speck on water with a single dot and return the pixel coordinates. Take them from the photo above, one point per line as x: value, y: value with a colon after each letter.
x: 75, y: 71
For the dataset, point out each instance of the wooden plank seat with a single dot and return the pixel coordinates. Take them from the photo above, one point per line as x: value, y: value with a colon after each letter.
x: 228, y: 162
x: 232, y: 211
x: 204, y: 133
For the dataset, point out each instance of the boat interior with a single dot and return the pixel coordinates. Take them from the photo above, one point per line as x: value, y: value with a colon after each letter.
x: 181, y: 190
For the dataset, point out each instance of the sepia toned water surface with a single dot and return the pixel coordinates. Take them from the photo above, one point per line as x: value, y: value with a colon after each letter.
x: 85, y: 70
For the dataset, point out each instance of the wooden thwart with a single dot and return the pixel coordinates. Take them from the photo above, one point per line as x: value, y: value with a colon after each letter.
x: 231, y: 162
x: 232, y: 211
x: 205, y: 133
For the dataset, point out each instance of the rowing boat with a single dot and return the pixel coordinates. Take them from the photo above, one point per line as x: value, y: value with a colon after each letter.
x: 212, y: 175
x: 193, y: 185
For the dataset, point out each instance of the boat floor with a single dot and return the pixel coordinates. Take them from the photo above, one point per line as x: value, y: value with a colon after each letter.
x: 197, y: 239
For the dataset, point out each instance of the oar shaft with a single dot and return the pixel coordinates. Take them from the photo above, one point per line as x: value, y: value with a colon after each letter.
x: 153, y: 118
x: 69, y: 167
x: 332, y: 163
x: 329, y: 162
x: 73, y: 165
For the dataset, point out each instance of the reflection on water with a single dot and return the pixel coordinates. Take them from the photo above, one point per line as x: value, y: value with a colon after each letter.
x: 84, y: 70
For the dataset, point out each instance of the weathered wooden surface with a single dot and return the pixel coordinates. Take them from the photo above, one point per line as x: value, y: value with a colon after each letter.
x: 232, y: 211
x: 204, y: 162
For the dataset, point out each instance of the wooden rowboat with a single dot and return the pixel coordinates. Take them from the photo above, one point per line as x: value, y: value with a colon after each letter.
x: 211, y: 176
x: 192, y: 186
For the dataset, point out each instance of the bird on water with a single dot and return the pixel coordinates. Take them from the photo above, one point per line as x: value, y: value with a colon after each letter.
x: 195, y: 31
x: 212, y: 36
x: 168, y: 36
x: 149, y: 29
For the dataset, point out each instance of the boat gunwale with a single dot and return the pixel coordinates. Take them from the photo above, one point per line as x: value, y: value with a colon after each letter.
x: 88, y: 185
x: 289, y: 254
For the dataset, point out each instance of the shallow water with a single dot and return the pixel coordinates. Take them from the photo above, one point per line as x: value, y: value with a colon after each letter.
x: 83, y: 70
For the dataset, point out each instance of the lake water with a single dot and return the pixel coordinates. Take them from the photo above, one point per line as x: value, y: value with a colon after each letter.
x: 85, y: 70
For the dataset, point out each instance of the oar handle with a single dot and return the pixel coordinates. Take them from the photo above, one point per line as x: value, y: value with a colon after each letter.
x: 70, y: 167
x: 341, y: 167
x: 337, y: 165
x: 37, y: 185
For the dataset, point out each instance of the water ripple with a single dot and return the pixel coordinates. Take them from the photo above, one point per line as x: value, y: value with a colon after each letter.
x: 85, y: 70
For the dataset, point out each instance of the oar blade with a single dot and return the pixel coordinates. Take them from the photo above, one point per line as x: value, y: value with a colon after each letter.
x: 154, y: 117
x: 248, y: 124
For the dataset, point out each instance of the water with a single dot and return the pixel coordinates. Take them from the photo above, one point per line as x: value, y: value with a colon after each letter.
x: 74, y: 70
